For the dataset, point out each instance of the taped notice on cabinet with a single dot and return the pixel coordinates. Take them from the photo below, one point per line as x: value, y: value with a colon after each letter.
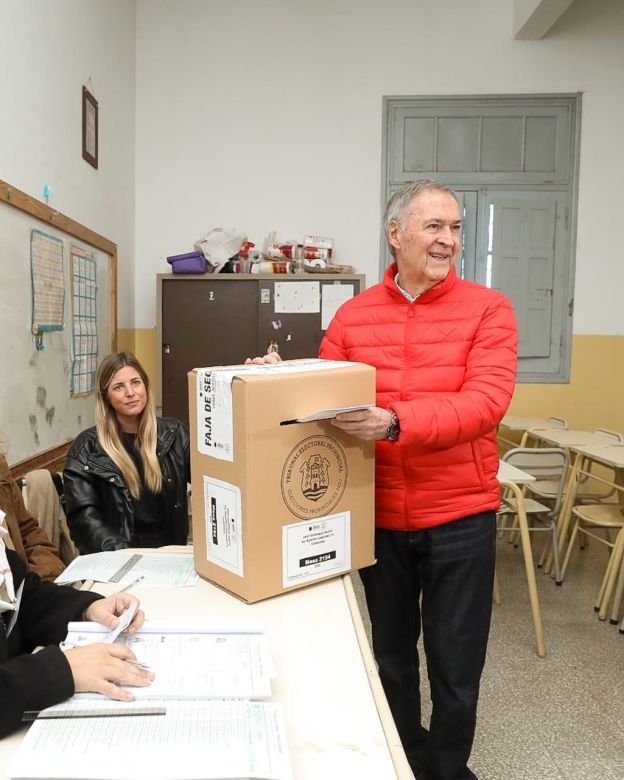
x: 223, y: 525
x: 316, y: 548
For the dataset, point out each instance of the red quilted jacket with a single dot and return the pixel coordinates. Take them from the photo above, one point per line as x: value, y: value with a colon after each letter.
x: 446, y: 364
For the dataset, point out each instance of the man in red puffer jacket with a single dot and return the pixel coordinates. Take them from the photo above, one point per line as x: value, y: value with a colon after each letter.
x: 445, y: 354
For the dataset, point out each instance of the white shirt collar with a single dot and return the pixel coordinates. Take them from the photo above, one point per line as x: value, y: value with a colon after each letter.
x: 411, y: 298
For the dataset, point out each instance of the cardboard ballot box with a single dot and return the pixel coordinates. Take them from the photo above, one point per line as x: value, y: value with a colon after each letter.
x: 278, y: 504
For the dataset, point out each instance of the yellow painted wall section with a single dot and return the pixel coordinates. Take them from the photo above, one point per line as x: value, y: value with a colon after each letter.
x: 592, y: 399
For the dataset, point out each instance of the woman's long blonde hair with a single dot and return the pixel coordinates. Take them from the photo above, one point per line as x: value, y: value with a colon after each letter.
x: 109, y: 432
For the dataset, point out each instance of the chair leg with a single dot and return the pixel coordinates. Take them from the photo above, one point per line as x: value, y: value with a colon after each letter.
x: 566, y: 560
x: 555, y: 552
x: 565, y: 514
x: 496, y: 592
x: 502, y: 524
x: 527, y: 553
x: 610, y: 577
x: 545, y: 551
x: 617, y: 598
x: 513, y: 536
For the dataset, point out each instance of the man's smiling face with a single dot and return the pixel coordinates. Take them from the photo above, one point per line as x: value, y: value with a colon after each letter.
x: 426, y: 241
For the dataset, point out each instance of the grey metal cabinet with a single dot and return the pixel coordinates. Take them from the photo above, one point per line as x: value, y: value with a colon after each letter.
x: 222, y: 319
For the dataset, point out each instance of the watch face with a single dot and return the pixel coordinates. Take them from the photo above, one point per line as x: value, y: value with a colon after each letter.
x: 393, y: 430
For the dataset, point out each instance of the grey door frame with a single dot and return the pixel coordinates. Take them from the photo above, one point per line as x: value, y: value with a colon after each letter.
x: 571, y: 188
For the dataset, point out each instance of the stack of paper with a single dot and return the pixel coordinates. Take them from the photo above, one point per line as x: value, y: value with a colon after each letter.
x: 179, y: 727
x: 124, y: 569
x: 194, y: 740
x: 192, y: 659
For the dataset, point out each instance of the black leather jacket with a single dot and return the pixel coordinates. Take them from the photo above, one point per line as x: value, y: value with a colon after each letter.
x: 99, y: 508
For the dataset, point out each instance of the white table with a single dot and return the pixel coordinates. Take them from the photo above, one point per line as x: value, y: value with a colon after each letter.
x: 515, y: 423
x: 509, y: 473
x: 567, y: 438
x: 511, y: 477
x: 609, y: 454
x: 337, y: 719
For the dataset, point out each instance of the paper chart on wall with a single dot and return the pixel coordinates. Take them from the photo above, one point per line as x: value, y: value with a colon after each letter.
x: 84, y: 321
x: 48, y: 284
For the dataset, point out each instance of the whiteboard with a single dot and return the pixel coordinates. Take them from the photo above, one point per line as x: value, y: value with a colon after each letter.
x: 37, y: 411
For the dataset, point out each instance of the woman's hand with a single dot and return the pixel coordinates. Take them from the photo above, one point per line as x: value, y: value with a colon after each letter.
x: 105, y: 668
x: 106, y: 611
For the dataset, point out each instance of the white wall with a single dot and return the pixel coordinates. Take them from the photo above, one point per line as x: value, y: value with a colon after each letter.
x: 266, y: 115
x: 49, y: 49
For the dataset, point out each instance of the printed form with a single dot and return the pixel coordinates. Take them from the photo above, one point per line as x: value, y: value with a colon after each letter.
x: 190, y: 659
x: 194, y: 740
x: 157, y: 571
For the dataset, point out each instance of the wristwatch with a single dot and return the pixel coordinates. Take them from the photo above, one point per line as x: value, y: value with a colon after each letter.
x: 394, y: 429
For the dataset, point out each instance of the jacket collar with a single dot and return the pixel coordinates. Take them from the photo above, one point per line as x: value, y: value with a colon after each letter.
x: 430, y: 295
x: 164, y: 437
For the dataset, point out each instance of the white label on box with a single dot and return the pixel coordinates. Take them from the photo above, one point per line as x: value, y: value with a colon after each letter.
x: 215, y: 424
x: 316, y: 548
x: 223, y: 524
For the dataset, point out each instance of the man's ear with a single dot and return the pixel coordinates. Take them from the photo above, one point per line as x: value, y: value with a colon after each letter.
x: 394, y: 234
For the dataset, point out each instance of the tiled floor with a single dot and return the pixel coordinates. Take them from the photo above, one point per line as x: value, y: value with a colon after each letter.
x: 560, y: 717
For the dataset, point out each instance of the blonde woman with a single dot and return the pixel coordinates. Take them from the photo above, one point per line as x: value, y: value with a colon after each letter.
x: 126, y: 478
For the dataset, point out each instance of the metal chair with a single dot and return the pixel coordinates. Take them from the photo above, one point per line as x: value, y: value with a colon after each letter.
x: 548, y: 463
x: 592, y: 520
x: 588, y: 490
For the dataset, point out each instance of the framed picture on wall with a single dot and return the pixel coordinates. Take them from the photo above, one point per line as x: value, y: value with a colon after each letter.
x: 89, y: 128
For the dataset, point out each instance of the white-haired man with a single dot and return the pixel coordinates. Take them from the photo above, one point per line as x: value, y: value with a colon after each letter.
x: 445, y: 353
